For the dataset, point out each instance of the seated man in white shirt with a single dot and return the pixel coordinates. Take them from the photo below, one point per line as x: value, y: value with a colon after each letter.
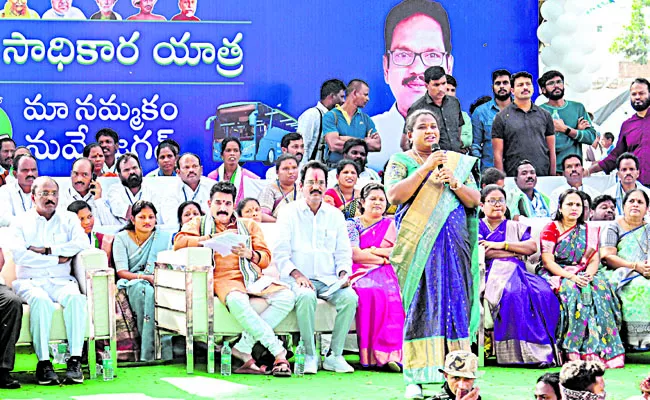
x: 121, y: 198
x: 15, y: 197
x: 291, y: 143
x: 313, y: 253
x: 85, y: 188
x: 166, y: 156
x: 573, y: 173
x: 627, y: 165
x: 45, y: 242
x: 191, y: 186
x: 356, y: 150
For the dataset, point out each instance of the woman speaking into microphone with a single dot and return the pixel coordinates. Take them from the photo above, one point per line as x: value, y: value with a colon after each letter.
x: 435, y: 253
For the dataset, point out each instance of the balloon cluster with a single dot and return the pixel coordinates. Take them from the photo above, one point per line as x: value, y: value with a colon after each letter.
x: 568, y: 35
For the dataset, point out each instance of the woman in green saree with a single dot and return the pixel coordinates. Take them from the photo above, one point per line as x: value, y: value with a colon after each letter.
x: 435, y: 254
x: 624, y: 249
x: 135, y: 250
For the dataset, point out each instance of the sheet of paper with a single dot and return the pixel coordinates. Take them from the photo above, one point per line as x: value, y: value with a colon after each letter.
x: 334, y: 287
x: 224, y: 243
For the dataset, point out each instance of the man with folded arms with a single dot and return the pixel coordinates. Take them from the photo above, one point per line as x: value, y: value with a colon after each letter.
x: 237, y: 277
x: 313, y: 252
x: 45, y: 242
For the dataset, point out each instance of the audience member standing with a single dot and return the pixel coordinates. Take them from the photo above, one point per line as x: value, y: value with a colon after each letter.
x: 110, y: 144
x: 466, y: 129
x: 7, y: 150
x: 310, y: 122
x: 523, y: 130
x: 572, y: 123
x: 445, y: 108
x: 634, y: 137
x: 483, y: 117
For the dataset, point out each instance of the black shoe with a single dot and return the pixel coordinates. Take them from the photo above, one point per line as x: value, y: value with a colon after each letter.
x: 7, y: 381
x: 73, y: 374
x: 45, y: 373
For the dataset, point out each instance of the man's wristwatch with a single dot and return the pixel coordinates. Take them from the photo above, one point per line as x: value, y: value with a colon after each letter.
x: 48, y: 251
x: 567, y: 131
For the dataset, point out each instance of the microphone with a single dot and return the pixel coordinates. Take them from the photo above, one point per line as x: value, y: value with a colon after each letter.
x: 436, y: 147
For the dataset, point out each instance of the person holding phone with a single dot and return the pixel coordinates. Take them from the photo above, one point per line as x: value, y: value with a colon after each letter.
x: 460, y: 373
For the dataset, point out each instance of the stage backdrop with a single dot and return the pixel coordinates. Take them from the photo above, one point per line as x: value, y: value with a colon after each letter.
x: 244, y: 64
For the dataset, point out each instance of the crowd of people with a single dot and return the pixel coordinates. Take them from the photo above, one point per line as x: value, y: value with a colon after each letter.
x: 394, y: 250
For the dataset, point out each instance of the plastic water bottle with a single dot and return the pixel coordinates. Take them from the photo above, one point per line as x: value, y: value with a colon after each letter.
x: 95, y: 240
x: 226, y: 359
x: 59, y: 353
x: 299, y: 366
x: 555, y: 114
x: 107, y: 364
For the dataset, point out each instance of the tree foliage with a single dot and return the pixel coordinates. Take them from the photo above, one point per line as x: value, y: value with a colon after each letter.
x: 633, y: 43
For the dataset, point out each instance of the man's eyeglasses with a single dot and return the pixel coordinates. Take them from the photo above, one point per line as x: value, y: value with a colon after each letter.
x: 557, y: 82
x: 45, y: 193
x: 311, y: 182
x: 405, y: 58
x: 494, y: 202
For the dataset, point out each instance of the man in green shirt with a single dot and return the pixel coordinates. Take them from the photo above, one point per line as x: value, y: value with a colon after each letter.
x: 572, y: 123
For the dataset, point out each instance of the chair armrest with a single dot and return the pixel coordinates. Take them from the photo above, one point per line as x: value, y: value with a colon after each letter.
x: 88, y: 260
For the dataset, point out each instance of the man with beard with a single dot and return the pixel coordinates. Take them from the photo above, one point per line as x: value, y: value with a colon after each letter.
x: 445, y: 108
x: 525, y: 199
x: 191, y: 186
x: 603, y: 208
x: 62, y: 9
x: 627, y: 165
x: 633, y: 137
x: 347, y: 122
x: 573, y: 173
x: 109, y: 142
x: 121, y: 198
x: 85, y: 188
x: 483, y: 117
x: 314, y: 256
x: 572, y: 124
x: 187, y: 11
x: 356, y: 150
x: 310, y: 122
x: 106, y: 11
x: 45, y: 241
x: 523, y: 130
x: 7, y: 150
x: 417, y: 35
x: 15, y: 197
x: 293, y: 144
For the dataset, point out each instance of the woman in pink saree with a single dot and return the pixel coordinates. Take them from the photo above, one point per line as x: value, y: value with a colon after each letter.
x: 380, y: 315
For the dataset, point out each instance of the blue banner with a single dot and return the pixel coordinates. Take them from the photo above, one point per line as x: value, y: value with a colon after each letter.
x: 244, y: 61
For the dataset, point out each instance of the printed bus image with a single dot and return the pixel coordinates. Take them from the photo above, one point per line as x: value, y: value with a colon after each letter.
x: 259, y: 127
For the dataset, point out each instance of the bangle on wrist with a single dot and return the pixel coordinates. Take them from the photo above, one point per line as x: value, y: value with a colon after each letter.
x: 505, y: 247
x: 634, y: 266
x: 457, y: 186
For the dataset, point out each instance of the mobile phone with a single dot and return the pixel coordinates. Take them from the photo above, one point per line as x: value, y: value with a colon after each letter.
x: 92, y: 184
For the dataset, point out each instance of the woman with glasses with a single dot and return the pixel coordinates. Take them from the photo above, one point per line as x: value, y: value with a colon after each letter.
x: 434, y: 252
x: 590, y: 312
x: 523, y: 307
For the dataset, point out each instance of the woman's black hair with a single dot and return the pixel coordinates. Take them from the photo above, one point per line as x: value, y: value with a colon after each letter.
x: 181, y: 209
x: 345, y: 162
x: 563, y: 196
x: 491, y: 188
x: 553, y: 380
x: 629, y: 192
x: 90, y: 146
x: 242, y: 205
x: 136, y: 208
x: 227, y: 140
x: 365, y: 192
x: 78, y: 205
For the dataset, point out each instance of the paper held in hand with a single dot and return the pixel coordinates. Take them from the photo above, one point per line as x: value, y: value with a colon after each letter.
x: 224, y: 243
x: 335, y: 286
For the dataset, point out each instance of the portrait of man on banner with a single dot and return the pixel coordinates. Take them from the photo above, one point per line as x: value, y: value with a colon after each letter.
x: 187, y: 10
x: 417, y: 35
x: 106, y: 10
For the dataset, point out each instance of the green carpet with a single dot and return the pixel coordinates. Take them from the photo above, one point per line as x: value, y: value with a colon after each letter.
x: 497, y: 383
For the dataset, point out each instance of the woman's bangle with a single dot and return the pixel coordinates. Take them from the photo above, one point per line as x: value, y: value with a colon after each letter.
x: 138, y: 276
x: 505, y: 247
x: 456, y: 187
x: 634, y: 266
x: 420, y: 175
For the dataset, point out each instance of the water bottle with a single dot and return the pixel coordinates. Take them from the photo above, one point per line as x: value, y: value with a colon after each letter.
x: 555, y: 114
x: 107, y: 364
x: 95, y: 240
x: 59, y: 353
x: 226, y: 359
x: 299, y: 366
x: 585, y: 293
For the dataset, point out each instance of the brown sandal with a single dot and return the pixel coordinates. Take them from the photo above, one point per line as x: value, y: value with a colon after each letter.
x: 281, y: 369
x: 247, y: 368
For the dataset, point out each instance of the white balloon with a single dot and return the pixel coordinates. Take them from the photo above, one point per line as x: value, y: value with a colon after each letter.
x: 573, y: 63
x: 581, y: 83
x: 567, y: 23
x: 546, y: 32
x: 551, y: 10
x: 548, y: 56
x: 577, y: 7
x: 593, y: 65
x: 562, y: 44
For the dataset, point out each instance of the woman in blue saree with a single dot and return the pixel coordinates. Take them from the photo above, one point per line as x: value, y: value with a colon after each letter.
x: 435, y: 254
x: 135, y: 250
x: 523, y: 307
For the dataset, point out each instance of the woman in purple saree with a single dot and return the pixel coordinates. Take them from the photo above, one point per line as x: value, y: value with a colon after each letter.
x: 380, y: 315
x: 524, y: 308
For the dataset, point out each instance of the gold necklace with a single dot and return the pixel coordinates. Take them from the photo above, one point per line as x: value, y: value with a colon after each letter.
x: 417, y: 154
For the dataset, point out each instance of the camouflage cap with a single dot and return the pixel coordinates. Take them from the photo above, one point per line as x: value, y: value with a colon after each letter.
x: 461, y: 363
